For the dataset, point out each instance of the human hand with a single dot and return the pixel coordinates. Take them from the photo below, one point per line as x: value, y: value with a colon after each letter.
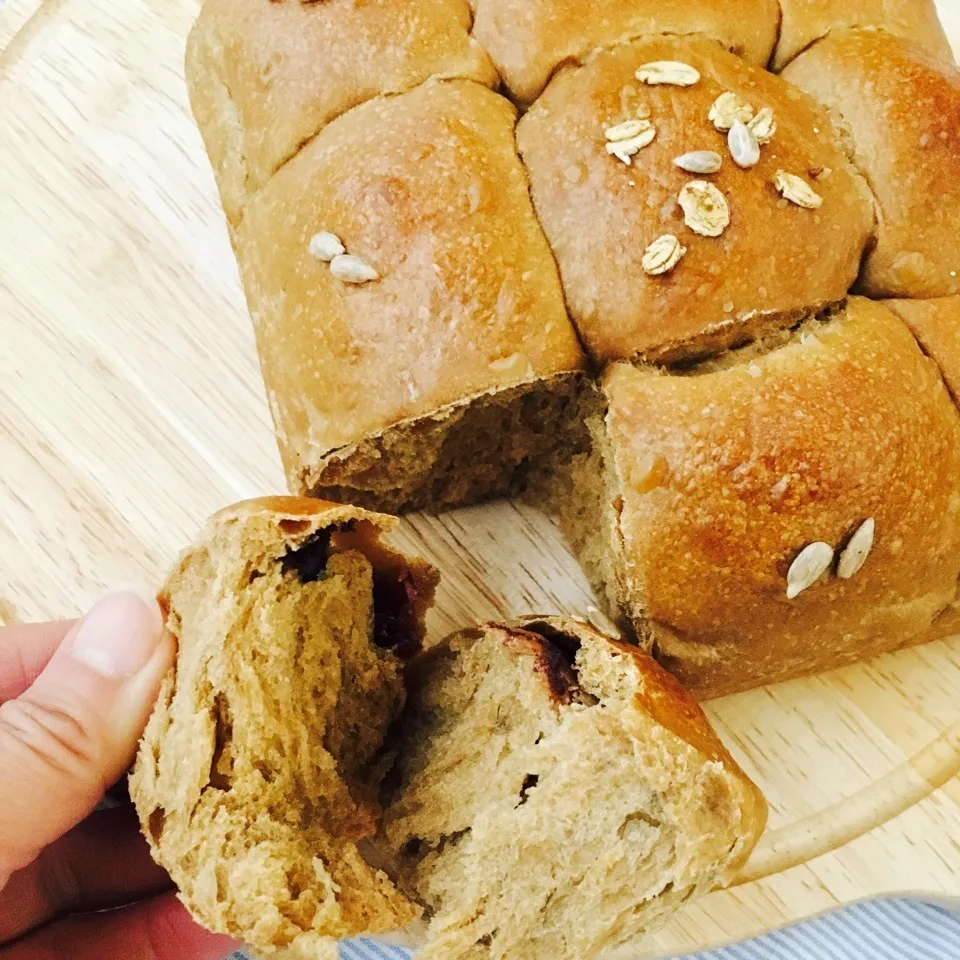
x: 74, y: 700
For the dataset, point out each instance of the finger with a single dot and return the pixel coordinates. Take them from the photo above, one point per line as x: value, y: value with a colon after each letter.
x: 104, y: 862
x: 75, y: 730
x: 158, y: 929
x: 25, y: 650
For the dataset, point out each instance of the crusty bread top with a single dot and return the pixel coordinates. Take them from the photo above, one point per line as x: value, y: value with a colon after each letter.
x: 267, y: 75
x: 600, y: 214
x: 726, y: 473
x: 428, y: 189
x: 529, y: 39
x: 806, y: 21
x: 903, y: 108
x: 936, y: 325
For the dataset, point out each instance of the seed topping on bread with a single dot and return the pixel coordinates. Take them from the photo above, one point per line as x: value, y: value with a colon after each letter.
x: 626, y: 139
x: 744, y: 146
x: 810, y: 564
x: 855, y: 553
x: 668, y: 73
x: 729, y: 108
x: 325, y: 246
x: 662, y: 255
x: 763, y: 126
x: 797, y: 190
x: 699, y: 161
x: 350, y: 269
x: 705, y: 209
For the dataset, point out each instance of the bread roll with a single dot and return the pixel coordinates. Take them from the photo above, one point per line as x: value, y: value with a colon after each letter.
x: 529, y: 40
x: 902, y: 106
x: 259, y: 770
x: 718, y: 478
x: 804, y: 22
x: 440, y: 381
x: 768, y: 267
x: 558, y: 795
x: 265, y: 76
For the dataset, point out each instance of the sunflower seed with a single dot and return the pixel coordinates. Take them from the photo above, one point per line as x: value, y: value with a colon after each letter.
x: 705, y: 209
x: 763, y: 126
x: 350, y: 269
x: 627, y: 130
x: 326, y: 246
x: 668, y: 72
x: 727, y: 109
x: 662, y: 255
x: 743, y: 146
x: 796, y: 190
x: 855, y: 553
x: 699, y: 161
x: 808, y: 567
x: 625, y: 149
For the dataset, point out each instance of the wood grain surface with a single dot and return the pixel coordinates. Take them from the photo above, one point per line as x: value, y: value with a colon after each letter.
x: 131, y: 407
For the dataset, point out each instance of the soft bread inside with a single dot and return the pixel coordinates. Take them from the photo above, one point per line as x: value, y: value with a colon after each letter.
x: 259, y: 770
x: 489, y: 446
x: 540, y: 806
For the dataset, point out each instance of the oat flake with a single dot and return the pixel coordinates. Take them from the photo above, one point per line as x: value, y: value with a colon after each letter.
x: 705, y: 209
x: 668, y: 72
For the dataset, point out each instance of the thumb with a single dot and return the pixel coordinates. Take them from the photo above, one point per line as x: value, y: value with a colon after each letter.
x: 73, y: 733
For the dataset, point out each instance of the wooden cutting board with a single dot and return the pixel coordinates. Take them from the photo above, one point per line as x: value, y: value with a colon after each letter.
x: 131, y: 407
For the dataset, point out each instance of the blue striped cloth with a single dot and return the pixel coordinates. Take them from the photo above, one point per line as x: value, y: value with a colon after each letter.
x: 878, y: 930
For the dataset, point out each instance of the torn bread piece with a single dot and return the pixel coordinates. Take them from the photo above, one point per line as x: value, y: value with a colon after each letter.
x: 557, y: 794
x: 260, y: 767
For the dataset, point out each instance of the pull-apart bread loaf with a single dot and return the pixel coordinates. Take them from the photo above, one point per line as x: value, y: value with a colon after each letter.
x: 259, y: 771
x: 281, y: 763
x: 707, y: 485
x: 445, y: 212
x: 558, y: 795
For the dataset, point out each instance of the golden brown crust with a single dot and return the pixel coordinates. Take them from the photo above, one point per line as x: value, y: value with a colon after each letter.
x: 727, y: 473
x: 529, y: 39
x: 903, y: 108
x: 936, y: 325
x: 427, y: 187
x: 600, y: 214
x: 806, y: 21
x: 267, y: 75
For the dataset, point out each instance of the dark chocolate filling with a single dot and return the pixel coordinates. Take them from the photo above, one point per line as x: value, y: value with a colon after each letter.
x: 395, y: 623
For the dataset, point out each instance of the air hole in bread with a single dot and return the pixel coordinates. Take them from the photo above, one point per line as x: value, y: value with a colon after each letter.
x: 529, y: 782
x: 639, y: 816
x: 156, y: 822
x: 309, y: 561
x: 413, y: 847
x: 221, y: 765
